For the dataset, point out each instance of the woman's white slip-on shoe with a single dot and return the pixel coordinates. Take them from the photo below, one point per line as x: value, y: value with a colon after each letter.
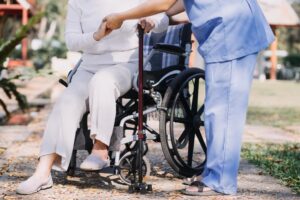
x: 33, y: 185
x: 94, y: 163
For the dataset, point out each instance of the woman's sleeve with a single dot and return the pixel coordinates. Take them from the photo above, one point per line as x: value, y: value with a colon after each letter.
x: 76, y: 40
x: 161, y: 22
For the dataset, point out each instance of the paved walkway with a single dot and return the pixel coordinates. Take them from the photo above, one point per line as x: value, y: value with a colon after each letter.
x: 263, y: 134
x: 20, y: 147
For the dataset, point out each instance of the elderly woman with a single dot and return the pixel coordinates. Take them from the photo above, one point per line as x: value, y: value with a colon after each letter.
x: 106, y: 72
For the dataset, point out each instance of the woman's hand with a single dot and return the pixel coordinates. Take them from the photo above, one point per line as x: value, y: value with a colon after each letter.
x: 147, y: 24
x: 102, y: 31
x: 113, y: 21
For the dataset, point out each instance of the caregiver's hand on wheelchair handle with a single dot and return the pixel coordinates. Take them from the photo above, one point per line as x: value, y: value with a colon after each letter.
x: 147, y: 24
x: 102, y: 31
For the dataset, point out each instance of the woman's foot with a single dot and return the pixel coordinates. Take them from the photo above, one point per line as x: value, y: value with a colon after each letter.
x: 94, y: 163
x: 98, y: 158
x: 41, y: 179
x: 34, y: 184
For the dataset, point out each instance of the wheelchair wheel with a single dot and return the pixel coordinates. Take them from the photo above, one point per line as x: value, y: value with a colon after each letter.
x: 182, y: 123
x: 126, y: 167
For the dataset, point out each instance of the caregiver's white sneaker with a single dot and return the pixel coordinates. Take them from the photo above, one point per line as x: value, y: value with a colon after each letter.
x: 34, y: 184
x: 94, y: 163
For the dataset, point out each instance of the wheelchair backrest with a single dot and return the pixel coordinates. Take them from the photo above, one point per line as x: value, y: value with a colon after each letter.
x: 179, y: 35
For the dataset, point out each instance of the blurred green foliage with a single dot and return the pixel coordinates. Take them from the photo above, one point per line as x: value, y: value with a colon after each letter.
x: 276, y: 117
x: 289, y: 38
x: 6, y: 47
x: 292, y: 60
x: 55, y: 11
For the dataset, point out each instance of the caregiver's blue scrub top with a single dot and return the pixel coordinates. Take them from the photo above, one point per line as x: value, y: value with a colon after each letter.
x: 228, y: 29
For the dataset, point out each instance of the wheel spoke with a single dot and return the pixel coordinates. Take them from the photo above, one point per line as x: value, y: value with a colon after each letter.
x: 202, y: 123
x: 191, y: 148
x: 185, y: 105
x: 200, y: 139
x: 201, y: 110
x: 129, y: 163
x: 182, y: 136
x: 199, y: 113
x: 195, y: 96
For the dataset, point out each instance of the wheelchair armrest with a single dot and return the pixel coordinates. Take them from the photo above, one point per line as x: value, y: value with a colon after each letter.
x: 66, y: 82
x: 171, y: 49
x: 63, y: 82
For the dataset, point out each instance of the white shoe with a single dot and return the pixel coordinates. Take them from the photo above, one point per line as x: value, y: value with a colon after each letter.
x: 33, y: 185
x: 94, y: 163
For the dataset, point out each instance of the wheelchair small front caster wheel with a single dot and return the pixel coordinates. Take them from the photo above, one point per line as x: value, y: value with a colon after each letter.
x: 141, y: 188
x: 126, y: 170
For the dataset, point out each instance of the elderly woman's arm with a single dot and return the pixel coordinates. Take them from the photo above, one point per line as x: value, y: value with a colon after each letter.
x: 76, y: 40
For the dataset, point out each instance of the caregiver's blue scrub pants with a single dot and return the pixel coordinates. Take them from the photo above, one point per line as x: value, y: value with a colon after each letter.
x: 229, y: 33
x: 227, y: 92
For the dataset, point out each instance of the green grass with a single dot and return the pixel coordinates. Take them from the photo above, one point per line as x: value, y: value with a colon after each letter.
x: 276, y: 117
x: 275, y: 94
x: 279, y: 161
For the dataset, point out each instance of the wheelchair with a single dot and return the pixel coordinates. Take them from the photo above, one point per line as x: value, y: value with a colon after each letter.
x: 176, y: 93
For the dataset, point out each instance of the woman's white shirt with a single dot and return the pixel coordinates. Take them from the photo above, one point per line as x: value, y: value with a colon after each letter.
x: 84, y: 18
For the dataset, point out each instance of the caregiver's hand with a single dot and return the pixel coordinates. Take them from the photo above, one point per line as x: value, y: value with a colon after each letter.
x: 102, y: 31
x: 147, y: 24
x: 113, y: 21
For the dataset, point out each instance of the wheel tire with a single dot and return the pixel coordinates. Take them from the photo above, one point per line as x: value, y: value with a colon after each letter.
x: 171, y: 92
x: 127, y: 156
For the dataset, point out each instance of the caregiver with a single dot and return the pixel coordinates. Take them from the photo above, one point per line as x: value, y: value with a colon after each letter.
x: 230, y: 34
